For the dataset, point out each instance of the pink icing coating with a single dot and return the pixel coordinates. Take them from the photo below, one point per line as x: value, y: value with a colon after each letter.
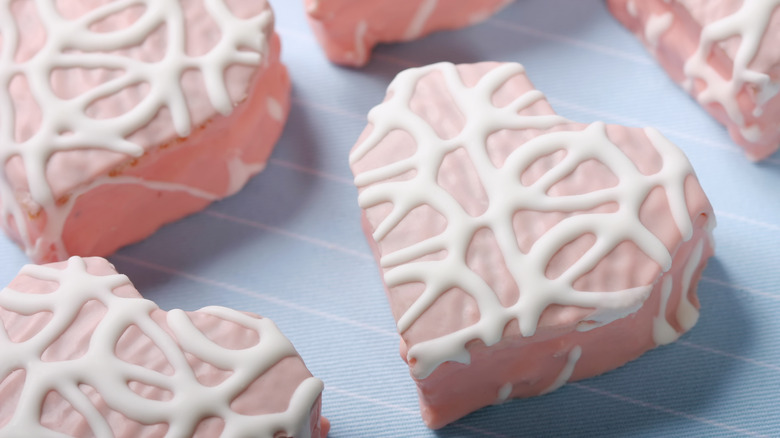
x: 269, y: 393
x: 677, y: 43
x: 213, y: 161
x: 349, y: 29
x: 529, y: 364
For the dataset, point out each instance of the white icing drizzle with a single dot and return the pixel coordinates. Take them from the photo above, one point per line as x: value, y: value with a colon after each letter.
x: 240, y: 172
x: 663, y: 332
x: 65, y: 125
x: 566, y: 372
x: 506, y: 195
x: 361, y: 52
x: 750, y: 24
x: 631, y: 8
x: 503, y: 393
x: 417, y: 24
x: 275, y: 109
x: 101, y: 369
x: 687, y: 313
x: 656, y: 26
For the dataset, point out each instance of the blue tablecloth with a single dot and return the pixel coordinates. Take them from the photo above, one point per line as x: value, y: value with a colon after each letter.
x: 289, y: 246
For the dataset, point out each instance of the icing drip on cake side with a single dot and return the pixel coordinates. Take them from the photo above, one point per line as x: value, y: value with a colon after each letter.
x: 506, y: 195
x: 656, y: 26
x: 109, y: 375
x: 750, y: 24
x: 417, y: 25
x: 65, y: 125
x: 566, y: 372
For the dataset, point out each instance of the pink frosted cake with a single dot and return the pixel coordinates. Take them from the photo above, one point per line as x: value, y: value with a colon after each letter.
x: 521, y: 250
x: 118, y: 117
x: 84, y: 355
x: 725, y: 53
x: 349, y: 29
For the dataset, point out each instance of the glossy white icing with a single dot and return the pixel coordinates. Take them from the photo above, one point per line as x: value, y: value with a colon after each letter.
x: 360, y: 43
x: 656, y: 26
x: 749, y: 24
x: 506, y: 195
x: 568, y: 369
x: 503, y: 392
x: 275, y: 109
x: 417, y: 24
x: 663, y: 332
x: 109, y: 375
x: 65, y: 124
x: 631, y: 8
x: 240, y: 172
x: 687, y: 313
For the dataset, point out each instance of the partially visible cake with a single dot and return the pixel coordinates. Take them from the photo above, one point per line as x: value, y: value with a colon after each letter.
x: 725, y: 53
x: 521, y: 250
x: 84, y: 355
x: 349, y: 29
x: 119, y: 117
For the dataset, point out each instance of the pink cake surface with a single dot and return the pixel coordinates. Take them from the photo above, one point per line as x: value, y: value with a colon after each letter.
x: 520, y: 250
x: 119, y: 117
x: 726, y: 54
x: 84, y: 355
x: 349, y: 29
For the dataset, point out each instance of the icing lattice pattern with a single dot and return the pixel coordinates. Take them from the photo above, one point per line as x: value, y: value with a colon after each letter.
x: 75, y: 44
x: 100, y: 367
x: 750, y: 23
x: 506, y: 195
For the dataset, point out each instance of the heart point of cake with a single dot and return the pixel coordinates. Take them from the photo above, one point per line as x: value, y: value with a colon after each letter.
x: 519, y: 249
x: 120, y: 117
x: 83, y: 352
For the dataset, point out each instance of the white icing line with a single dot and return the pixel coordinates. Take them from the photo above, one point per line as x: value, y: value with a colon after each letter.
x: 687, y: 313
x: 275, y: 109
x: 656, y: 26
x: 240, y: 172
x: 527, y: 269
x: 62, y: 116
x: 631, y: 8
x: 749, y: 23
x: 361, y: 51
x: 417, y: 24
x: 566, y: 372
x: 663, y: 332
x: 503, y: 393
x: 101, y: 369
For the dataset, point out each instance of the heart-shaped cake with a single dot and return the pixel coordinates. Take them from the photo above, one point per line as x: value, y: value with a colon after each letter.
x: 349, y: 29
x: 521, y: 250
x: 84, y: 355
x: 725, y: 53
x: 121, y: 116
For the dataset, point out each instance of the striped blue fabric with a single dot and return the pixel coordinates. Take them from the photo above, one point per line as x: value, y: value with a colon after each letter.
x: 289, y: 246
